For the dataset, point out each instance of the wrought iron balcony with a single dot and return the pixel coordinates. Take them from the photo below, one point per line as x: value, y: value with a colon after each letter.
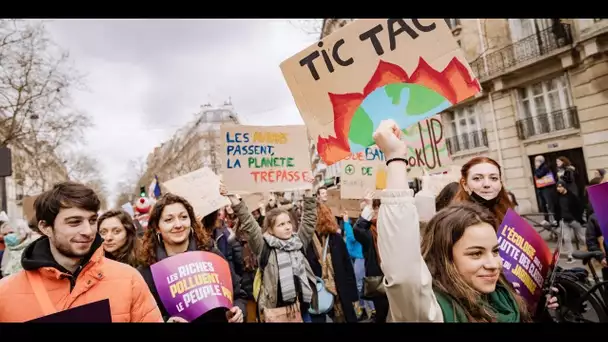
x: 539, y: 44
x: 467, y: 141
x: 558, y: 120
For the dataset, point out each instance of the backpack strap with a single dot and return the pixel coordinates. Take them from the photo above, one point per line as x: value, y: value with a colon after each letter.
x: 41, y: 293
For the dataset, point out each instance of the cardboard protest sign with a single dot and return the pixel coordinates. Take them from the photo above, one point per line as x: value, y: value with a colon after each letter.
x: 96, y: 312
x: 426, y: 145
x: 192, y: 283
x: 265, y: 158
x: 363, y: 172
x: 201, y: 188
x: 366, y: 171
x: 375, y: 69
x: 598, y: 196
x: 252, y: 201
x: 526, y: 258
x: 339, y: 205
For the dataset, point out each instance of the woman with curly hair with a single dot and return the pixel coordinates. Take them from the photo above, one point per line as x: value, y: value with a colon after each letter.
x: 335, y: 269
x: 173, y: 229
x: 119, y: 235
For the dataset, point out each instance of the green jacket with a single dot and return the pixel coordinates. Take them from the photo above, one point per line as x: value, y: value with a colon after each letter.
x: 501, y: 302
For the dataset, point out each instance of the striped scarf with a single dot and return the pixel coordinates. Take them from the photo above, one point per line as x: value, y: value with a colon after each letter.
x: 291, y: 263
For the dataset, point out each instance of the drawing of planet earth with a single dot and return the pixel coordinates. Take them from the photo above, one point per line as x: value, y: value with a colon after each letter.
x: 406, y: 103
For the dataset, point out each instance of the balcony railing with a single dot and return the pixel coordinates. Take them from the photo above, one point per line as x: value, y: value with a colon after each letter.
x: 558, y: 120
x: 467, y: 141
x: 536, y: 45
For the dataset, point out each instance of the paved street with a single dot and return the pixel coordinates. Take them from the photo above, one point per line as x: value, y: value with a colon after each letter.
x: 563, y: 259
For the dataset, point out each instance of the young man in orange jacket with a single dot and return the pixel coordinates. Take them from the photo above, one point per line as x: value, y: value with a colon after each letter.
x: 66, y: 267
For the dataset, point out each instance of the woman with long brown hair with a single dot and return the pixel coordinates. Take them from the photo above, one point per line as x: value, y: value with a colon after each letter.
x: 335, y: 269
x: 173, y: 229
x: 456, y: 275
x: 481, y: 182
x: 119, y: 235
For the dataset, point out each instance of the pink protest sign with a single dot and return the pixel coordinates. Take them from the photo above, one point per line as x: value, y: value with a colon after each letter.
x: 192, y: 283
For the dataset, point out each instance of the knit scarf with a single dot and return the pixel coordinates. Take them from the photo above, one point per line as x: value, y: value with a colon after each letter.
x: 291, y: 263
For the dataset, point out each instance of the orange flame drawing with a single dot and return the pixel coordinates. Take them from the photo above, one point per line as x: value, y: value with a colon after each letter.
x: 454, y: 83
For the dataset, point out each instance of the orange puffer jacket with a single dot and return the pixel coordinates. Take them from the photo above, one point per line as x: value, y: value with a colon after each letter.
x: 99, y: 278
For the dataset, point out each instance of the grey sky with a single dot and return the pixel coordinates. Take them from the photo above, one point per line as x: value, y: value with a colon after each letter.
x: 147, y: 77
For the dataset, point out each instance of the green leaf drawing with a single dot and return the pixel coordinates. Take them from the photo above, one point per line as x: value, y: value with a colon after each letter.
x: 393, y: 91
x: 361, y: 128
x: 422, y: 100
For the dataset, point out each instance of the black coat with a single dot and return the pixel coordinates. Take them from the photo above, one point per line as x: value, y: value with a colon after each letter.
x: 363, y: 235
x: 239, y: 296
x: 344, y: 274
x: 575, y: 206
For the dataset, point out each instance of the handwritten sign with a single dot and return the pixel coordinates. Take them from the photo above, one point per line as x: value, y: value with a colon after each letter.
x: 376, y: 69
x: 363, y: 172
x: 192, y: 283
x: 201, y: 188
x: 526, y: 258
x: 262, y: 158
x: 366, y: 171
x: 426, y: 145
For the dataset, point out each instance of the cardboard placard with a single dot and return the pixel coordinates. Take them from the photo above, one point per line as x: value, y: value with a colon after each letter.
x: 252, y: 201
x: 376, y: 69
x: 191, y: 284
x: 201, y: 188
x: 265, y: 158
x: 339, y: 205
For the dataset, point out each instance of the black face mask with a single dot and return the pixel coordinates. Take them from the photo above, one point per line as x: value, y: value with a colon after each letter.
x: 485, y: 202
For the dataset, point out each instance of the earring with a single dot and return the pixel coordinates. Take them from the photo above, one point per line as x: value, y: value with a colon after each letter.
x: 158, y: 238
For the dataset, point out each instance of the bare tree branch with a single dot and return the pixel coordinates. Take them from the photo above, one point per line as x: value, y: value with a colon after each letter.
x: 85, y: 169
x: 36, y: 113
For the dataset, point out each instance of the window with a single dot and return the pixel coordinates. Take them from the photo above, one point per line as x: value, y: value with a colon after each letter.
x: 543, y: 106
x: 466, y: 129
x: 452, y: 22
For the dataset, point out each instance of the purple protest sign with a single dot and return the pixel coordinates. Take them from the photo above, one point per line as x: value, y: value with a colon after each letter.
x: 598, y: 196
x: 526, y: 258
x: 192, y: 283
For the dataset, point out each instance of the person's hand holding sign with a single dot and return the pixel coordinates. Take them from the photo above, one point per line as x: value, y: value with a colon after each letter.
x: 176, y: 319
x: 234, y: 315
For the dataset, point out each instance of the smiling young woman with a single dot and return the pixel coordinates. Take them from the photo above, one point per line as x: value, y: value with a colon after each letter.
x: 457, y: 272
x: 173, y: 229
x: 481, y: 182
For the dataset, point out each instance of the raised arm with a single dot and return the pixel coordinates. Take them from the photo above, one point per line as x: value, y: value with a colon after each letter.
x: 248, y: 224
x: 408, y: 282
x: 309, y: 219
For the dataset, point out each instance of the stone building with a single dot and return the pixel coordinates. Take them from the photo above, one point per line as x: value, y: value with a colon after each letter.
x: 545, y: 91
x: 33, y: 173
x: 193, y: 146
